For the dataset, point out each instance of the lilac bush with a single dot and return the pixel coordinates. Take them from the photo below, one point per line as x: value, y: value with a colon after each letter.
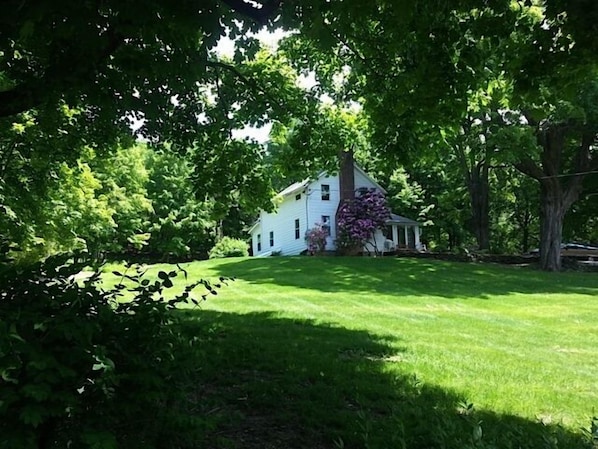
x: 316, y: 239
x: 359, y: 218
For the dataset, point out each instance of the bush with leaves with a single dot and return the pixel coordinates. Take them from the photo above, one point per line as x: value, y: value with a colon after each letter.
x: 229, y: 247
x: 359, y: 219
x: 80, y: 368
x: 316, y: 239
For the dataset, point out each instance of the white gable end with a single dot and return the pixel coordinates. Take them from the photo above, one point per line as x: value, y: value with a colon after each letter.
x: 277, y: 231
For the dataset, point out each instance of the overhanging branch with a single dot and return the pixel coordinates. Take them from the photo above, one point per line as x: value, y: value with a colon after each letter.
x: 245, y: 80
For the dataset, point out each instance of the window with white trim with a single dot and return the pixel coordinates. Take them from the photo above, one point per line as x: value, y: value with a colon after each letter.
x: 326, y: 223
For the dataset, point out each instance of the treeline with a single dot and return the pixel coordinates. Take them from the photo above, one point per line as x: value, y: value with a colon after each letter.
x: 132, y: 202
x: 437, y: 194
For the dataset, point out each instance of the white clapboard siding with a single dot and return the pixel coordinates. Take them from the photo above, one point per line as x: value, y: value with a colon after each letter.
x: 317, y: 207
x: 282, y: 223
x: 362, y: 180
x: 309, y: 209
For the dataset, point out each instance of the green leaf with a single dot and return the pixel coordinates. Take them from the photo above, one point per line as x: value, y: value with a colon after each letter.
x: 6, y: 377
x: 97, y: 439
x: 32, y: 415
x: 37, y: 391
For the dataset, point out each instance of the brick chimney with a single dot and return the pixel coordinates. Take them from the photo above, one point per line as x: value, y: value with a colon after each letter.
x: 346, y: 175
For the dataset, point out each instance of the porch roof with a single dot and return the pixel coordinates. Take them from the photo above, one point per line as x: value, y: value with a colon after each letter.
x: 398, y: 219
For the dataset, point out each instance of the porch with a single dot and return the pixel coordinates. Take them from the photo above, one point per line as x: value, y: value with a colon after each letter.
x: 401, y: 233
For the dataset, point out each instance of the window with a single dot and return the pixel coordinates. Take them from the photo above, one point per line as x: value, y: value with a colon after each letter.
x: 298, y: 197
x: 297, y: 233
x: 271, y: 238
x: 325, y: 192
x: 326, y: 223
x: 259, y: 242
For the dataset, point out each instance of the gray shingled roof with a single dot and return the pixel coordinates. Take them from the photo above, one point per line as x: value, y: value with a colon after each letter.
x: 394, y: 218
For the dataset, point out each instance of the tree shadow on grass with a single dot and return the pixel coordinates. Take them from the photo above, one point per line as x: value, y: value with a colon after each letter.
x: 269, y: 382
x: 402, y: 276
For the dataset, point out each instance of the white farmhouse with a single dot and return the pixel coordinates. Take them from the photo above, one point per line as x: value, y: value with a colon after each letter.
x: 304, y: 204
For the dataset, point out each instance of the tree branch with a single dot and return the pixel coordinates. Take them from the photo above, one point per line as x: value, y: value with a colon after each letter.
x: 260, y: 15
x: 528, y: 167
x: 245, y: 80
x: 582, y: 164
x: 367, y: 64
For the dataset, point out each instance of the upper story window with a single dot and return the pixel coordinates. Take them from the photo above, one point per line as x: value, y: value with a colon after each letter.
x: 298, y: 197
x: 325, y: 192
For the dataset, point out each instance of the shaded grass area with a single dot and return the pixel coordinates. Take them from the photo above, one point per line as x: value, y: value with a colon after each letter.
x: 271, y: 382
x: 358, y: 352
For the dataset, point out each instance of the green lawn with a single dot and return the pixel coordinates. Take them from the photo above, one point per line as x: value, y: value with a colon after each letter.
x: 372, y: 352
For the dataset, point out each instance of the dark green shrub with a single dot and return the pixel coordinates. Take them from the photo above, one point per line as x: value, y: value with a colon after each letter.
x: 229, y: 247
x: 80, y: 369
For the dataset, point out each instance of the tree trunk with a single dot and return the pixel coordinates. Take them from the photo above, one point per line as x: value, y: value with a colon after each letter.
x: 474, y: 166
x: 551, y: 226
x: 524, y: 226
x: 556, y: 196
x: 479, y: 197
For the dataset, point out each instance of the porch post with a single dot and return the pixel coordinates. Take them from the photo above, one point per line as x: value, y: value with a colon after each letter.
x: 395, y: 234
x: 417, y: 242
x: 406, y: 228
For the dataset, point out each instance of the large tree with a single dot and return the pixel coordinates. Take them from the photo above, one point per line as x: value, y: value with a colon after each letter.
x: 79, y: 75
x: 555, y: 89
x: 414, y: 64
x: 417, y: 70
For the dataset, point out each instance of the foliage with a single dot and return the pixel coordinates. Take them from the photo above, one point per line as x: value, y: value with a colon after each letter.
x: 229, y: 247
x: 462, y: 73
x: 131, y: 201
x: 181, y: 224
x: 316, y: 238
x: 322, y: 133
x: 139, y: 56
x: 124, y: 177
x: 358, y: 219
x: 81, y: 368
x: 170, y: 83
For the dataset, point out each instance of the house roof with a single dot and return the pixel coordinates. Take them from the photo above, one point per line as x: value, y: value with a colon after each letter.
x: 293, y: 188
x: 250, y: 230
x: 398, y: 219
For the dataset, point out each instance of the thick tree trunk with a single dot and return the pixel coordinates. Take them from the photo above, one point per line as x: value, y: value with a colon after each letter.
x: 474, y: 166
x: 479, y: 197
x: 551, y: 226
x: 558, y: 192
